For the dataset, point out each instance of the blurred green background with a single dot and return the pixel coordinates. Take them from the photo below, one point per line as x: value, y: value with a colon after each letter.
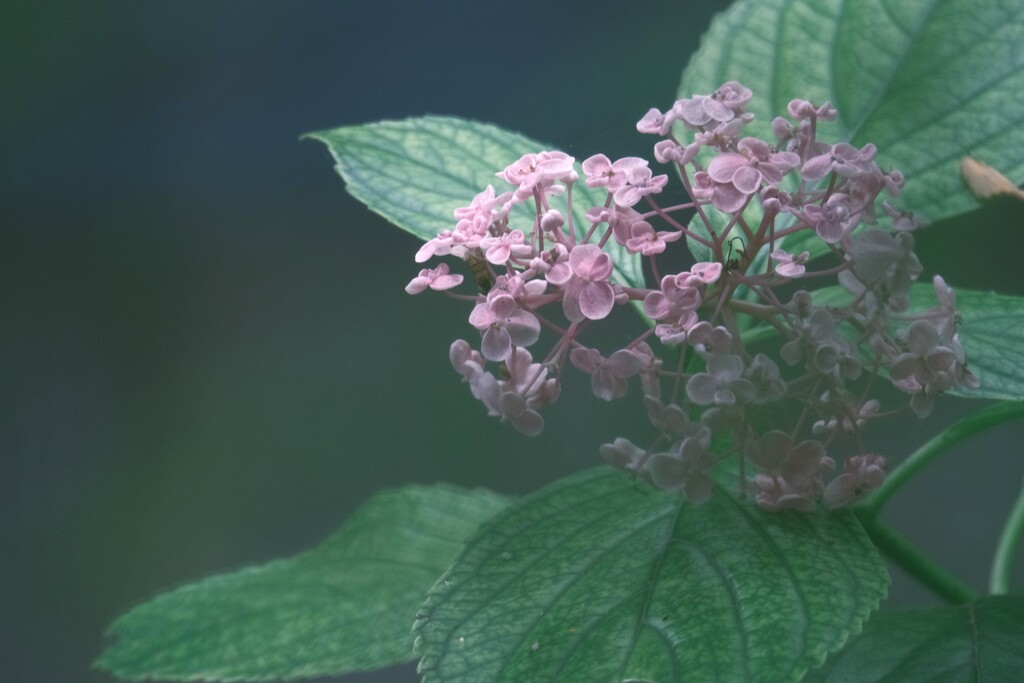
x: 206, y: 356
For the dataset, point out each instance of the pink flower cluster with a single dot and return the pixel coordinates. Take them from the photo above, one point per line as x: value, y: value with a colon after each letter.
x: 716, y: 398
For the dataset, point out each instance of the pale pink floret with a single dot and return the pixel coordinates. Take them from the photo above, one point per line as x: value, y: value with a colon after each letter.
x: 789, y: 265
x: 734, y: 95
x: 861, y: 474
x: 754, y: 164
x: 538, y: 172
x: 656, y: 123
x: 607, y: 375
x: 587, y: 294
x: 624, y: 454
x: 704, y: 272
x: 792, y: 472
x: 802, y: 109
x: 700, y: 110
x: 832, y: 220
x: 601, y: 172
x: 439, y: 246
x: 438, y: 279
x: 674, y: 298
x: 639, y: 183
x: 503, y: 325
x: 517, y: 399
x: 503, y: 247
x: 666, y: 151
x: 486, y: 207
x: 644, y: 240
x: 678, y: 331
x: 724, y: 196
x: 685, y: 468
x: 843, y: 159
x: 943, y: 316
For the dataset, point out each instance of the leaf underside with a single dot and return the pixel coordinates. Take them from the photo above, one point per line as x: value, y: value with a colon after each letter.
x: 599, y: 578
x: 980, y: 641
x: 344, y: 606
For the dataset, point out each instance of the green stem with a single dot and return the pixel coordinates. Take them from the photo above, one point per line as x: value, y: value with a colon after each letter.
x: 904, y: 554
x: 972, y: 424
x: 1009, y: 541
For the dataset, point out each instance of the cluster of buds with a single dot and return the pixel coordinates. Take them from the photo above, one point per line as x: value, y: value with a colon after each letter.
x: 711, y: 397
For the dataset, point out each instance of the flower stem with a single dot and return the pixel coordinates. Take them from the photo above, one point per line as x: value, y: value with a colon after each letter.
x: 1009, y: 541
x: 902, y: 552
x: 972, y: 424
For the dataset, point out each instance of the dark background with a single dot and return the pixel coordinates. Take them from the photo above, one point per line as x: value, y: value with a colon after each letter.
x: 206, y: 356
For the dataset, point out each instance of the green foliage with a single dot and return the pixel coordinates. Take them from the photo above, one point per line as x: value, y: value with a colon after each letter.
x: 344, y: 606
x: 598, y: 577
x: 416, y: 172
x: 927, y: 82
x: 980, y: 641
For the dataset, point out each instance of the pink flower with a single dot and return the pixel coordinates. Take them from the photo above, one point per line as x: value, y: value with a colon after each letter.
x: 943, y: 316
x: 607, y: 375
x: 679, y: 331
x: 724, y: 196
x: 802, y: 109
x: 844, y: 159
x: 538, y: 172
x: 587, y: 294
x: 619, y: 218
x: 516, y: 399
x: 600, y: 171
x: 792, y: 472
x: 503, y: 247
x: 467, y: 362
x: 666, y: 151
x: 704, y: 272
x: 685, y: 467
x: 624, y: 454
x: 639, y: 183
x: 789, y: 265
x: 701, y: 110
x: 644, y: 240
x: 674, y: 298
x: 733, y: 95
x: 832, y: 220
x: 483, y: 207
x: 656, y: 123
x: 437, y: 279
x: 755, y: 163
x: 503, y: 325
x: 722, y: 384
x: 861, y: 474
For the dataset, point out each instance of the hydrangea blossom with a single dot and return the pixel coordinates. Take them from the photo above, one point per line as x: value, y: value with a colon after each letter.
x: 715, y: 396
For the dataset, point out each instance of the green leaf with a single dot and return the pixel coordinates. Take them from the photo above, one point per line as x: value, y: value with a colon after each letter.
x: 980, y: 641
x: 416, y: 172
x: 992, y: 334
x: 344, y: 606
x: 928, y: 82
x: 598, y: 577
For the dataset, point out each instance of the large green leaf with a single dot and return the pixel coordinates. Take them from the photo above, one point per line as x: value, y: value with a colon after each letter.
x: 344, y: 606
x: 416, y: 172
x: 598, y: 578
x: 981, y: 641
x: 992, y: 333
x: 927, y: 81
